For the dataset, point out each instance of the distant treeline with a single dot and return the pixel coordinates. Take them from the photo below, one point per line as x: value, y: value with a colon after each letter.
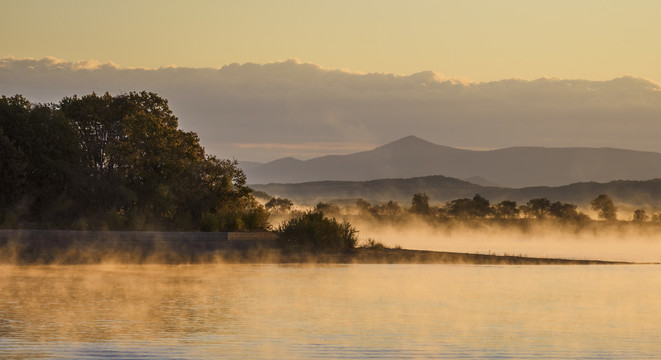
x: 114, y: 162
x: 476, y: 208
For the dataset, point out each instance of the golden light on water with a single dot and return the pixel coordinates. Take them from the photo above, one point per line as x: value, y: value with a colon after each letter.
x: 391, y: 311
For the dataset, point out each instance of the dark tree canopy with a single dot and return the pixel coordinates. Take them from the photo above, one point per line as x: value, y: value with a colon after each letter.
x: 420, y: 204
x: 562, y: 210
x: 640, y: 215
x: 603, y: 205
x: 506, y: 209
x: 279, y: 205
x: 327, y: 208
x: 477, y: 207
x: 538, y: 208
x: 117, y: 162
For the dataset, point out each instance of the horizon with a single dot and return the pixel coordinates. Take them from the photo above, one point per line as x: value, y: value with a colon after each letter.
x: 421, y: 139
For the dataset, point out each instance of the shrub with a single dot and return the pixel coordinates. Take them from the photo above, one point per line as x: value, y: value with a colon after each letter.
x: 314, y: 232
x: 373, y: 244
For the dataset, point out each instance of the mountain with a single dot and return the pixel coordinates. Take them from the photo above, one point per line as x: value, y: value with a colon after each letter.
x: 442, y: 189
x: 511, y: 167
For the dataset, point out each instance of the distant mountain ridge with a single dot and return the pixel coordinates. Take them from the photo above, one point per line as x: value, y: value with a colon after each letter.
x: 513, y: 167
x: 443, y: 189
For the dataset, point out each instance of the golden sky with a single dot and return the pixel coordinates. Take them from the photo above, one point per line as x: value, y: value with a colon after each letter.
x: 481, y: 40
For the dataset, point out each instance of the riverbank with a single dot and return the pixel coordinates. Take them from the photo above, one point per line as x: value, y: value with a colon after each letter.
x: 406, y: 256
x: 47, y: 247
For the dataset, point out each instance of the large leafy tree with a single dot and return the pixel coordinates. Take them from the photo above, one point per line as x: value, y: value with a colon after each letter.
x: 42, y: 156
x: 118, y: 162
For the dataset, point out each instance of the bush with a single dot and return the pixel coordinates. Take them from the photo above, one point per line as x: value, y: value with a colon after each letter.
x: 373, y: 244
x: 314, y: 232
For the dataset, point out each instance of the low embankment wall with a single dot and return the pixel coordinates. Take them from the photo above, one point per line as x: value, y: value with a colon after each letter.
x: 68, y: 246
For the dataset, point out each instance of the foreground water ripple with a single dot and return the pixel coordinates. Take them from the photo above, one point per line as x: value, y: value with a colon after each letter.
x: 330, y: 312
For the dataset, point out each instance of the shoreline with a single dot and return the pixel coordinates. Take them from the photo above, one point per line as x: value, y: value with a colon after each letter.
x: 53, y: 247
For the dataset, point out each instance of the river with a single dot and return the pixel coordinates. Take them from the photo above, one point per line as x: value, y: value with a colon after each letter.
x: 330, y: 311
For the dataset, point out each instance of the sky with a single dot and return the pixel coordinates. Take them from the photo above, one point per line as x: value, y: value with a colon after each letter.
x: 473, y: 74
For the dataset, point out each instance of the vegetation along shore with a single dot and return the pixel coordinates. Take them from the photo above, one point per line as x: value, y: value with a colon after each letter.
x: 104, y: 178
x: 57, y: 247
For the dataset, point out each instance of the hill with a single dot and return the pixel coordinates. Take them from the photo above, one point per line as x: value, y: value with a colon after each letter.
x: 442, y: 189
x: 513, y: 167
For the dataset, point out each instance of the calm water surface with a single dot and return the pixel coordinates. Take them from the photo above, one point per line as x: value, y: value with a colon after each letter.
x: 352, y: 311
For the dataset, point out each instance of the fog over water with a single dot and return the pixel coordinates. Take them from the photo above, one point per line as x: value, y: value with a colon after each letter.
x: 627, y: 243
x: 409, y: 311
x: 330, y: 311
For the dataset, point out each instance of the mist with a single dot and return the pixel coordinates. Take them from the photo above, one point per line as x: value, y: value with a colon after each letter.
x: 624, y: 242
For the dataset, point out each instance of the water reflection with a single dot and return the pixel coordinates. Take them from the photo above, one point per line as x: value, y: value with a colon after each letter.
x: 353, y: 311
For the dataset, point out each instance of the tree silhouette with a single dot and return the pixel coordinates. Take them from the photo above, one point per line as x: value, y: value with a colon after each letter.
x: 363, y: 206
x: 640, y: 215
x: 563, y: 210
x: 507, y: 209
x: 391, y: 209
x: 420, y: 204
x: 279, y: 205
x: 477, y: 207
x: 327, y: 208
x: 604, y: 207
x: 538, y: 208
x: 481, y: 206
x: 117, y: 162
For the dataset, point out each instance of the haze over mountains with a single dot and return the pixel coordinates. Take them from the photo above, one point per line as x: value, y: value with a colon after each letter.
x: 443, y: 189
x: 513, y: 167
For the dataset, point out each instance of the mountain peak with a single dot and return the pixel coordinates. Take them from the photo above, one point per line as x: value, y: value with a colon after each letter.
x: 408, y: 141
x: 411, y: 142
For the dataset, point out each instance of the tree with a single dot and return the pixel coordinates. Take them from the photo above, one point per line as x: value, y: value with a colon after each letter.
x: 563, y: 210
x: 391, y: 209
x: 538, y: 208
x: 420, y: 204
x: 604, y: 207
x: 13, y: 171
x: 507, y: 209
x: 327, y: 208
x: 117, y: 162
x: 477, y: 207
x: 41, y: 156
x: 481, y: 206
x: 224, y: 196
x: 640, y: 215
x: 279, y: 205
x: 363, y: 206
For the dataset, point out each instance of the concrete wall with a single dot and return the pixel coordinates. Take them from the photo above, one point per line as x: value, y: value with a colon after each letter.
x: 63, y: 246
x: 167, y: 236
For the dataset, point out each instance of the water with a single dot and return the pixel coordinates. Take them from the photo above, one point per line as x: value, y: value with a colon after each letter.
x: 343, y: 311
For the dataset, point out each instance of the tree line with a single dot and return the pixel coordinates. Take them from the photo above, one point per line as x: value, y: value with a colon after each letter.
x: 115, y: 162
x: 470, y: 209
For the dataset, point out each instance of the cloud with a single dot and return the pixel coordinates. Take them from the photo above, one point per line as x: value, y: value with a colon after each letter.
x: 52, y: 63
x: 300, y: 105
